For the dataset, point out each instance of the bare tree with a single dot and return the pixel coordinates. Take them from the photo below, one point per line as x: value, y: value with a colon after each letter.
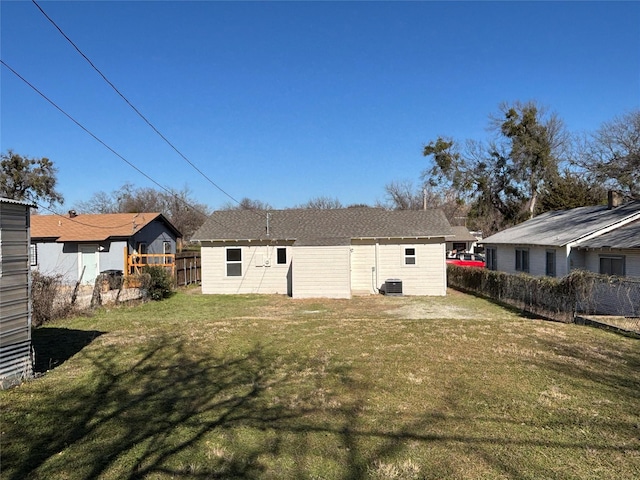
x: 611, y: 155
x: 321, y: 203
x: 178, y: 206
x: 247, y: 204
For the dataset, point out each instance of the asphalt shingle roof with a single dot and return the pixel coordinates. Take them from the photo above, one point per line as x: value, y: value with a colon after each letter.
x: 625, y: 237
x: 565, y: 226
x: 462, y: 234
x: 91, y: 227
x: 325, y: 226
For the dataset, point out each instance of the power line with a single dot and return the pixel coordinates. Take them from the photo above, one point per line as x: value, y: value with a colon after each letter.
x: 104, y: 77
x: 95, y: 137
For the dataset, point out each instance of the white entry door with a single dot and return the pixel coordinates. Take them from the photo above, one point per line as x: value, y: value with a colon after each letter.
x: 88, y: 262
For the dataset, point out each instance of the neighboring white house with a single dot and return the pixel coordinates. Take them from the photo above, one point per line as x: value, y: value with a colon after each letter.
x: 602, y: 239
x: 462, y: 241
x: 15, y: 292
x: 80, y: 246
x: 334, y: 253
x: 614, y: 253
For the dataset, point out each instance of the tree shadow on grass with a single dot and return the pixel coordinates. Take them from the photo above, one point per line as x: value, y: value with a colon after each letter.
x: 173, y: 408
x: 54, y: 346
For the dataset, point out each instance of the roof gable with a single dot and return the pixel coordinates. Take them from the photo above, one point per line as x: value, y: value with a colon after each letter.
x: 93, y: 227
x: 562, y: 227
x: 309, y: 224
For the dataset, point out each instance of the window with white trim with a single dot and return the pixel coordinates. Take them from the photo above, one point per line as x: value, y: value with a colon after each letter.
x: 33, y: 255
x: 281, y: 254
x: 234, y: 262
x: 612, y: 265
x: 409, y: 256
x: 492, y: 258
x: 550, y: 269
x: 522, y: 260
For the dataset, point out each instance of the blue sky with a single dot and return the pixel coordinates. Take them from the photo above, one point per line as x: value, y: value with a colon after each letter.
x: 286, y: 101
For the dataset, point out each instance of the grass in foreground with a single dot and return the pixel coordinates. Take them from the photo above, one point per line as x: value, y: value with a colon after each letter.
x: 373, y: 387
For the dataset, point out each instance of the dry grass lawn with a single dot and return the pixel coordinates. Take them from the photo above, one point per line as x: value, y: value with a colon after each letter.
x: 373, y: 387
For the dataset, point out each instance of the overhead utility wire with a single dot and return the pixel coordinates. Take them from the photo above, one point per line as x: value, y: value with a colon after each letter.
x: 130, y: 104
x: 95, y: 137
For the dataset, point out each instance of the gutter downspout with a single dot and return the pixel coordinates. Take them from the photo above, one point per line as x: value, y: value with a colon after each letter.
x: 377, y: 281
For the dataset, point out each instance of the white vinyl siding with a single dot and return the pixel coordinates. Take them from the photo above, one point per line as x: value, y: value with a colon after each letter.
x: 364, y: 278
x: 260, y: 271
x: 506, y: 259
x: 321, y: 271
x: 426, y: 277
x: 631, y: 260
x: 327, y: 271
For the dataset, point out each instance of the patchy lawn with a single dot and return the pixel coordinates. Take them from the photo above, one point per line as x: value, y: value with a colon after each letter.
x: 374, y: 387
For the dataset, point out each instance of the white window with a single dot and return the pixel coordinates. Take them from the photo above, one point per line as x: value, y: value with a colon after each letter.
x: 612, y: 265
x: 410, y: 256
x: 492, y: 258
x: 234, y: 262
x: 33, y: 255
x: 282, y: 256
x: 551, y: 263
x: 522, y: 260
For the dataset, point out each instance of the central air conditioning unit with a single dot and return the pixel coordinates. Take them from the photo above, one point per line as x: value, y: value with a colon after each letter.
x: 393, y: 286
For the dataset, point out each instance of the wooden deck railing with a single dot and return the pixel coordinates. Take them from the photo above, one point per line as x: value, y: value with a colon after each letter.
x: 136, y: 261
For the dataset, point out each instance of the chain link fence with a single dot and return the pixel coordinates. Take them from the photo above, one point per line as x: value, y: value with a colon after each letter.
x: 611, y: 300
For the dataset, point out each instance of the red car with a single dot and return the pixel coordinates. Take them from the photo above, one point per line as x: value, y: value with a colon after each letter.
x: 467, y: 260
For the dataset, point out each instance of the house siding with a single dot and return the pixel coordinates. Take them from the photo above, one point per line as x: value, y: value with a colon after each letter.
x: 426, y: 277
x: 154, y: 235
x: 327, y: 271
x: 322, y: 271
x: 632, y: 260
x: 364, y: 278
x: 15, y: 316
x: 260, y: 270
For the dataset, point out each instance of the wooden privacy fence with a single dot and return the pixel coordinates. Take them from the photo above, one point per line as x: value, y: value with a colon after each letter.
x: 188, y: 268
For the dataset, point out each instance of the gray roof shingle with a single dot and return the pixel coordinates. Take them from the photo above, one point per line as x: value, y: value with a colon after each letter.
x: 626, y: 237
x: 565, y: 226
x: 462, y: 234
x: 314, y: 226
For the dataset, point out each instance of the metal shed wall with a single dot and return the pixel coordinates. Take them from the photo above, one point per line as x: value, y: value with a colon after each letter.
x: 15, y: 314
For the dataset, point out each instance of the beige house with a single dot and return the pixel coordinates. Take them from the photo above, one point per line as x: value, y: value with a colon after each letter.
x: 333, y: 253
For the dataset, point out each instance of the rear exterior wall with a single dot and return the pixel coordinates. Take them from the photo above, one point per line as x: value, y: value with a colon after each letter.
x: 260, y: 272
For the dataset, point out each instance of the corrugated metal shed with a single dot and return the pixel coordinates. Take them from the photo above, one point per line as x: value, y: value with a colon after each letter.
x: 15, y: 312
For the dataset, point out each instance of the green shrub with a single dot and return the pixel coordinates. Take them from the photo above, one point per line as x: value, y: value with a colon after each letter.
x: 160, y: 282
